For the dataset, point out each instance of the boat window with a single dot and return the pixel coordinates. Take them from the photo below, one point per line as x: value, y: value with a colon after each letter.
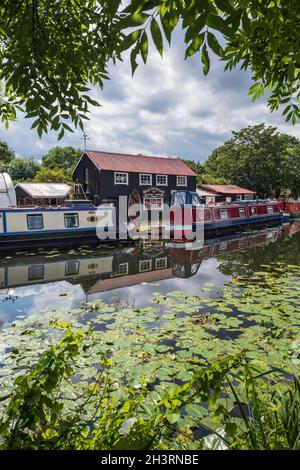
x: 196, y: 200
x: 253, y: 210
x: 270, y: 209
x: 242, y: 211
x: 223, y: 214
x: 178, y: 197
x: 223, y: 246
x: 35, y: 221
x: 71, y: 220
x: 36, y: 272
x: 71, y: 268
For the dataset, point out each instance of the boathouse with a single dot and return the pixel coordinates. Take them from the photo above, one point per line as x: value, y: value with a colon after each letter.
x: 44, y: 194
x: 104, y: 176
x: 223, y: 193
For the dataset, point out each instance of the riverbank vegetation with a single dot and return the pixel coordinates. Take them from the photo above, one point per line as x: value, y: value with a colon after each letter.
x: 257, y: 157
x: 109, y: 375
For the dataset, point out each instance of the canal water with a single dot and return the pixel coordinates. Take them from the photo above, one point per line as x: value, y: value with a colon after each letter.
x: 34, y: 282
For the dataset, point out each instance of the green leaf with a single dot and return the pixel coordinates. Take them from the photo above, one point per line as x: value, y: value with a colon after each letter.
x: 130, y: 21
x: 195, y: 45
x: 129, y: 40
x: 214, y: 44
x: 173, y: 417
x: 205, y: 60
x: 157, y: 36
x: 144, y: 46
x: 133, y: 61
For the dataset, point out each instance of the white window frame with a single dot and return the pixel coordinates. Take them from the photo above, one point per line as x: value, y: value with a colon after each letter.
x: 181, y: 184
x: 120, y: 173
x: 149, y: 264
x: 239, y: 197
x: 120, y: 272
x: 223, y: 211
x: 162, y: 184
x: 145, y: 184
x: 159, y: 260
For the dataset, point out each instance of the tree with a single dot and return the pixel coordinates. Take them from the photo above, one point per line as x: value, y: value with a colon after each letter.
x: 292, y: 169
x: 61, y: 157
x: 45, y: 175
x: 6, y: 155
x: 257, y: 158
x: 23, y: 169
x: 52, y: 51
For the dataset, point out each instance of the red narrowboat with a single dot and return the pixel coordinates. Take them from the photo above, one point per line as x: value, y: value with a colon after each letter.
x: 188, y: 214
x: 293, y: 208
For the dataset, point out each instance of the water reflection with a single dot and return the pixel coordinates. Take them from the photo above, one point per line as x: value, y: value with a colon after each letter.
x: 30, y: 282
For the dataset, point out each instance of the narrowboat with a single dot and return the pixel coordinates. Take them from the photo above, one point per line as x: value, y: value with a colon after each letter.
x: 219, y: 219
x: 58, y: 225
x: 293, y: 208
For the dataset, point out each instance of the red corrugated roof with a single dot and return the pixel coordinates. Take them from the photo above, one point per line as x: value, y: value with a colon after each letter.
x: 131, y: 280
x: 139, y: 163
x: 226, y: 188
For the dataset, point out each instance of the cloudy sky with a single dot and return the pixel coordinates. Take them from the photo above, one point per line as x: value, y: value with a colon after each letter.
x: 167, y: 108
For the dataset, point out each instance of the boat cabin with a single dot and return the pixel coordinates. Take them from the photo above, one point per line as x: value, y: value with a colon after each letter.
x: 41, y: 194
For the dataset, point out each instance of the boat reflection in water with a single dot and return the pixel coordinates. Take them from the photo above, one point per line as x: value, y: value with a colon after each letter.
x: 98, y: 270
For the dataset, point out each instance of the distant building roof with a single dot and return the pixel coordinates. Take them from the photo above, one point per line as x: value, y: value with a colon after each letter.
x: 205, y: 192
x: 225, y: 189
x: 45, y: 190
x: 132, y: 280
x: 139, y: 163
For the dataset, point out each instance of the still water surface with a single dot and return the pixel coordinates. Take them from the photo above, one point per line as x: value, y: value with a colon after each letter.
x: 35, y: 282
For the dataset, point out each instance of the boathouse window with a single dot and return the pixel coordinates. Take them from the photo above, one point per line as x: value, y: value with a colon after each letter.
x: 36, y: 272
x: 121, y: 178
x: 161, y: 180
x: 35, y: 221
x: 145, y: 179
x: 242, y: 211
x: 253, y: 210
x: 181, y: 181
x: 72, y: 268
x: 270, y: 209
x: 161, y: 263
x: 71, y: 220
x: 223, y: 214
x: 122, y: 269
x: 145, y: 265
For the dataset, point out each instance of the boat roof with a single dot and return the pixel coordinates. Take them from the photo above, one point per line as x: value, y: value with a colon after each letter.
x: 54, y: 190
x: 225, y: 188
